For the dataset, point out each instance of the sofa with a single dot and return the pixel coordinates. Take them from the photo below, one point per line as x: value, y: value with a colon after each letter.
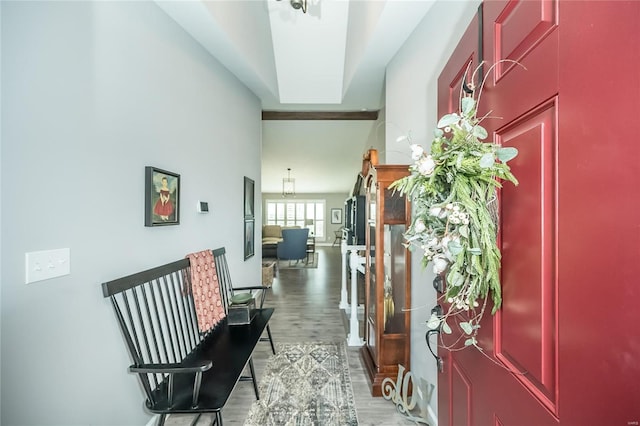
x: 271, y: 236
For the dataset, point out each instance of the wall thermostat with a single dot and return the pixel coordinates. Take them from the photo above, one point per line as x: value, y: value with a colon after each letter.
x: 203, y: 207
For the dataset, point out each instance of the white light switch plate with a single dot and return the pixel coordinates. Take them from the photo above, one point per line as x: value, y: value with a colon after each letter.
x: 44, y: 265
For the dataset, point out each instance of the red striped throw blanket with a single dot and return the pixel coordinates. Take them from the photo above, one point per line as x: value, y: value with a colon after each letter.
x: 206, y: 290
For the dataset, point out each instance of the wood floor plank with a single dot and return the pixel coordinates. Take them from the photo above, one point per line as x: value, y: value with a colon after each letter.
x: 306, y: 310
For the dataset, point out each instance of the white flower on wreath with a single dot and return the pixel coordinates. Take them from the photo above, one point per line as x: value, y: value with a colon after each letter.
x: 433, y: 243
x: 419, y: 227
x: 428, y: 254
x: 417, y: 151
x: 430, y: 247
x: 426, y: 165
x: 437, y: 212
x: 440, y: 264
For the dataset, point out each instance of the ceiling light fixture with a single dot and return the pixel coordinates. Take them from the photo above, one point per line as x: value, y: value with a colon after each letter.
x: 299, y: 4
x: 288, y: 185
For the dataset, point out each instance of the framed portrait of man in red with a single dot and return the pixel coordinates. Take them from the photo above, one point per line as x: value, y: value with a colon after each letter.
x: 162, y: 197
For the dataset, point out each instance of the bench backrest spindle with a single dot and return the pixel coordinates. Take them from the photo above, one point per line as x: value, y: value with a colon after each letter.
x: 224, y: 275
x: 156, y: 313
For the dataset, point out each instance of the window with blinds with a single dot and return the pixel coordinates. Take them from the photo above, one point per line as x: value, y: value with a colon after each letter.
x: 303, y: 213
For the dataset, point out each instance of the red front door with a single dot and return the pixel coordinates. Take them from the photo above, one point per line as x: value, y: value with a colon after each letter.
x: 570, y: 232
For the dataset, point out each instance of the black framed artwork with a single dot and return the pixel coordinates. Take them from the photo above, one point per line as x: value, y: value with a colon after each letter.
x: 249, y: 238
x: 162, y: 197
x: 249, y: 218
x: 249, y: 206
x: 336, y: 216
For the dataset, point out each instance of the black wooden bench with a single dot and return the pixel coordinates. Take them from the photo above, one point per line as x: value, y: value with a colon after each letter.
x: 181, y: 369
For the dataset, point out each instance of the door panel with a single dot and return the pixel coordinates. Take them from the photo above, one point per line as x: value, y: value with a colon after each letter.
x: 460, y: 397
x: 526, y: 326
x: 570, y: 233
x: 518, y: 29
x: 450, y: 80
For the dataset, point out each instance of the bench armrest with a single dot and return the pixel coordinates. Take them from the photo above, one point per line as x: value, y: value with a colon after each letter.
x: 170, y: 368
x: 251, y: 289
x: 175, y: 368
x: 257, y: 287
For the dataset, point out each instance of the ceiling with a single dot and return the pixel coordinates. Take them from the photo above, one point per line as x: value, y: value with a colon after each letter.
x: 332, y: 58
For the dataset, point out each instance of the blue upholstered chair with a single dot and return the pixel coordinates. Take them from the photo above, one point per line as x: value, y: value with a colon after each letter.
x: 293, y: 245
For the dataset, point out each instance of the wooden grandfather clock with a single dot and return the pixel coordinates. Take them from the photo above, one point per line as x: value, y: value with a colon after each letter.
x: 387, y: 277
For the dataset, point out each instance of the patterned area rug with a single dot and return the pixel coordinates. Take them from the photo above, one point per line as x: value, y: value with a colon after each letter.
x: 305, y: 384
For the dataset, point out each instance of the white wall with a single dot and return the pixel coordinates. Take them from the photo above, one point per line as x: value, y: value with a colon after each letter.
x: 1, y: 316
x: 92, y: 93
x: 411, y: 108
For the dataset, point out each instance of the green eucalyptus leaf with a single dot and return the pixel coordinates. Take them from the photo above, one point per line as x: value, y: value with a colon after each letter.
x: 470, y: 342
x: 506, y: 154
x: 438, y: 133
x: 434, y: 322
x: 475, y: 251
x: 455, y: 278
x: 466, y: 327
x: 468, y: 104
x: 448, y: 120
x: 480, y: 132
x: 445, y: 328
x: 454, y: 247
x: 487, y: 160
x: 464, y: 231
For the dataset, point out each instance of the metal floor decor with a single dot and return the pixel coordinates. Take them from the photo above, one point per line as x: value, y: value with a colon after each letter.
x: 305, y: 384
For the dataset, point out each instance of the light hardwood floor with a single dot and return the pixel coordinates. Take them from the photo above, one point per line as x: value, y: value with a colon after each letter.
x: 306, y: 310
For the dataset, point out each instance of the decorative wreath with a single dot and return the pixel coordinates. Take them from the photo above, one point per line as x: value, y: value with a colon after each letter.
x: 453, y: 188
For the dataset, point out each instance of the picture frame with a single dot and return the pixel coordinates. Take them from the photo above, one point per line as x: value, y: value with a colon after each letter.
x: 249, y: 196
x: 336, y: 216
x: 161, y: 197
x: 249, y: 238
